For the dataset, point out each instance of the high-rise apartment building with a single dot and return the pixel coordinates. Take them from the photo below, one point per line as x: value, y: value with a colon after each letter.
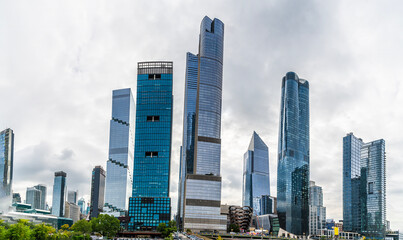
x: 364, y: 186
x: 42, y: 188
x: 200, y: 180
x: 293, y: 155
x: 97, y: 191
x: 256, y: 178
x: 33, y: 197
x: 72, y: 196
x: 59, y: 194
x: 317, y: 213
x: 121, y: 149
x: 150, y: 203
x: 6, y: 162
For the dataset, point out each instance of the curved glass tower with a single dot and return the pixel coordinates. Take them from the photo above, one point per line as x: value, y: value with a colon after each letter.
x: 200, y: 179
x: 6, y: 163
x: 293, y: 155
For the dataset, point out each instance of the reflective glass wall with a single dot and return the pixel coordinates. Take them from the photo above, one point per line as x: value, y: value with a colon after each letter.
x: 121, y: 150
x: 59, y: 194
x: 293, y: 155
x: 6, y: 162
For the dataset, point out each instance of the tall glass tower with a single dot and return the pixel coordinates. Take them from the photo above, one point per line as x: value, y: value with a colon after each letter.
x: 256, y: 178
x: 293, y: 155
x: 121, y: 149
x: 6, y: 162
x: 150, y: 203
x: 43, y: 189
x: 97, y: 192
x: 364, y: 186
x: 33, y: 197
x: 59, y: 194
x: 200, y: 180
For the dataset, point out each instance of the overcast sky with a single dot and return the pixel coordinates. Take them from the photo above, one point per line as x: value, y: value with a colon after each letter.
x: 60, y: 61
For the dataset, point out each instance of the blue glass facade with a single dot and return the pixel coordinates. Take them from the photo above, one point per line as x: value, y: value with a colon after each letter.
x: 364, y: 186
x: 121, y: 151
x: 256, y: 176
x: 6, y: 162
x: 201, y: 146
x: 59, y: 194
x: 150, y: 202
x: 293, y: 155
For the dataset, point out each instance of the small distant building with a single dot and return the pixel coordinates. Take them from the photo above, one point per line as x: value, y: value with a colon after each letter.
x: 267, y: 222
x: 54, y: 221
x: 42, y: 188
x: 97, y: 191
x: 72, y: 211
x: 81, y: 204
x: 72, y: 196
x: 33, y: 197
x: 16, y: 198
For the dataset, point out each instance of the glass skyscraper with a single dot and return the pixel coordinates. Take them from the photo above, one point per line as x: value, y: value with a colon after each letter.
x: 256, y: 177
x: 121, y: 149
x: 6, y: 162
x: 59, y: 194
x: 97, y: 192
x: 43, y: 190
x: 72, y: 196
x: 33, y: 197
x: 364, y: 186
x: 293, y: 155
x: 150, y: 203
x: 200, y: 179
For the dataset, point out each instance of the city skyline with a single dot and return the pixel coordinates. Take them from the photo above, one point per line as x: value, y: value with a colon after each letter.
x: 335, y: 58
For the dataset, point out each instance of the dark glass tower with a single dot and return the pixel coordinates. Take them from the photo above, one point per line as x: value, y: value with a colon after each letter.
x: 97, y: 191
x: 293, y: 155
x: 150, y: 203
x: 121, y: 147
x: 256, y: 178
x: 6, y: 162
x: 364, y: 186
x: 200, y: 179
x: 59, y: 194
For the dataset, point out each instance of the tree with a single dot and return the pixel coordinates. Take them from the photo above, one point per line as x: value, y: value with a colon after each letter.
x: 43, y: 231
x: 82, y: 226
x: 19, y: 231
x: 105, y: 225
x: 188, y: 231
x: 167, y: 230
x: 3, y: 232
x: 233, y: 228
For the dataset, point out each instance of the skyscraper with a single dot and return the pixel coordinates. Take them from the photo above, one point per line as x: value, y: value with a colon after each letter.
x: 256, y: 178
x: 81, y: 204
x: 33, y: 197
x: 42, y: 188
x: 72, y: 196
x: 6, y: 162
x: 364, y: 186
x: 293, y: 155
x: 97, y: 191
x: 317, y: 213
x: 121, y: 148
x: 150, y: 203
x: 200, y: 180
x: 59, y: 194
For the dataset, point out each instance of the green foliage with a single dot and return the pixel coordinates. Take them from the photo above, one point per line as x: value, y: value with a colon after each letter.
x: 219, y: 238
x: 19, y: 231
x: 82, y: 226
x: 106, y: 225
x: 188, y: 231
x: 233, y: 228
x: 65, y: 227
x: 2, y: 233
x: 167, y: 230
x: 43, y: 231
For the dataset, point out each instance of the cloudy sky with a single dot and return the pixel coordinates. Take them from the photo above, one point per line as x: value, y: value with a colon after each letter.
x: 60, y: 61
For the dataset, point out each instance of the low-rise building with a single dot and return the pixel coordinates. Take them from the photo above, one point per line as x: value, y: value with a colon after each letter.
x: 241, y: 216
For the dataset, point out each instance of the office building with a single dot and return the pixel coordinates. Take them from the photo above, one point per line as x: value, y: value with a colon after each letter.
x: 200, y: 186
x: 150, y: 203
x: 317, y: 213
x: 72, y: 196
x: 121, y: 148
x: 256, y: 178
x: 266, y: 205
x: 81, y: 204
x: 364, y: 186
x: 293, y: 155
x: 72, y: 211
x: 33, y: 197
x: 42, y: 188
x: 59, y: 194
x: 6, y: 162
x: 97, y: 191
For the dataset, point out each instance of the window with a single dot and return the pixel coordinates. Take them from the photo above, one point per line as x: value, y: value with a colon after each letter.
x: 370, y: 188
x: 154, y: 76
x: 153, y: 118
x: 151, y: 154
